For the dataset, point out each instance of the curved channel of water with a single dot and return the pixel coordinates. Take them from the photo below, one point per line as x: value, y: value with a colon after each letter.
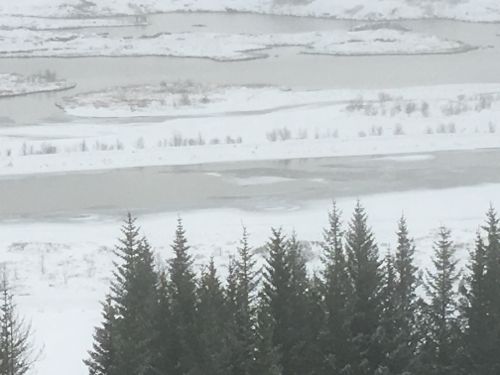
x: 284, y: 66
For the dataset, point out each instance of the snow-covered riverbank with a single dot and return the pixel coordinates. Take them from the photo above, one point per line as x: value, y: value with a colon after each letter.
x: 262, y: 123
x: 468, y: 10
x: 224, y: 47
x: 16, y: 84
x: 45, y: 23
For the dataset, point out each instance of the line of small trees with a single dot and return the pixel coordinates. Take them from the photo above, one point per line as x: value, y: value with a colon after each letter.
x: 359, y: 315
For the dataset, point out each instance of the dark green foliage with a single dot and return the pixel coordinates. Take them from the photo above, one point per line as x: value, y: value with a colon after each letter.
x: 480, y: 307
x: 212, y: 318
x: 358, y: 315
x: 442, y: 338
x: 335, y: 337
x: 402, y: 305
x: 127, y: 336
x: 183, y: 318
x: 16, y: 351
x: 363, y: 266
x: 286, y: 295
x: 102, y: 356
x: 241, y: 299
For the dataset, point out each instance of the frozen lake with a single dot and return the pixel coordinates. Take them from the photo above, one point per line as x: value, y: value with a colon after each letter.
x: 284, y: 66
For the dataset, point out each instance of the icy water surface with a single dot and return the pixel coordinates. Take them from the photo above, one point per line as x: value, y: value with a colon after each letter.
x: 261, y: 186
x: 284, y: 66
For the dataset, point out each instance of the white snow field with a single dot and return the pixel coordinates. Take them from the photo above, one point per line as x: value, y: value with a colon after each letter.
x: 469, y: 10
x: 61, y: 270
x: 231, y: 123
x: 223, y: 47
x: 16, y: 84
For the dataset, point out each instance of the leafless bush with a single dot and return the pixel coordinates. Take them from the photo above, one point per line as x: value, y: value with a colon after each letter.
x: 410, y: 108
x: 281, y: 134
x: 398, y: 130
x: 492, y: 128
x: 376, y: 131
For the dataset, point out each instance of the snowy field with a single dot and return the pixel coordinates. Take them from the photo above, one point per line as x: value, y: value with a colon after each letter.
x: 469, y: 10
x: 224, y: 47
x: 16, y: 84
x: 254, y: 123
x: 61, y: 270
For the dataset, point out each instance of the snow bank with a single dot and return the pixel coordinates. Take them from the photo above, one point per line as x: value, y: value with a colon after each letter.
x: 272, y: 123
x: 468, y: 10
x: 223, y: 47
x: 16, y: 84
x: 43, y: 23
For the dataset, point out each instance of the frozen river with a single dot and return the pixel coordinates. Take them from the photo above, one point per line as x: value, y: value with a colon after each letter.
x: 264, y: 185
x: 284, y: 66
x: 261, y: 186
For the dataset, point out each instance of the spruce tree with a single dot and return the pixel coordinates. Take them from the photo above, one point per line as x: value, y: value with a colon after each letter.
x: 363, y: 266
x: 286, y: 293
x: 388, y: 334
x: 133, y: 299
x: 302, y: 336
x: 267, y: 354
x: 16, y: 350
x: 241, y: 296
x: 212, y: 319
x: 480, y: 305
x: 182, y: 284
x: 275, y: 310
x: 163, y: 343
x: 102, y: 357
x: 335, y: 337
x: 407, y: 280
x: 442, y: 341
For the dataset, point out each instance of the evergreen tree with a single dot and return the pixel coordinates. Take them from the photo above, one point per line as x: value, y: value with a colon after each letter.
x: 275, y: 309
x: 241, y: 295
x: 363, y: 266
x: 267, y: 354
x: 184, y: 335
x: 16, y: 350
x: 134, y: 299
x: 286, y: 294
x: 102, y: 357
x: 163, y: 361
x: 480, y: 303
x: 442, y: 343
x: 407, y: 279
x: 212, y: 320
x: 301, y: 334
x: 388, y: 334
x: 335, y: 337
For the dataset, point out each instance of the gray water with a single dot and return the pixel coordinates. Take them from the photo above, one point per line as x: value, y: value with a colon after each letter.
x: 239, y: 185
x: 284, y: 66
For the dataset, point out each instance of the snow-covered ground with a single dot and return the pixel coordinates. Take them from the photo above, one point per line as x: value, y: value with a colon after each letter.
x: 16, y: 84
x: 469, y: 10
x: 224, y: 47
x: 43, y: 23
x: 61, y: 270
x: 257, y: 123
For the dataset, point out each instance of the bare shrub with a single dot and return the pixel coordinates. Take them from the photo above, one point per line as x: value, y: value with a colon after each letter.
x: 398, y: 130
x: 376, y: 131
